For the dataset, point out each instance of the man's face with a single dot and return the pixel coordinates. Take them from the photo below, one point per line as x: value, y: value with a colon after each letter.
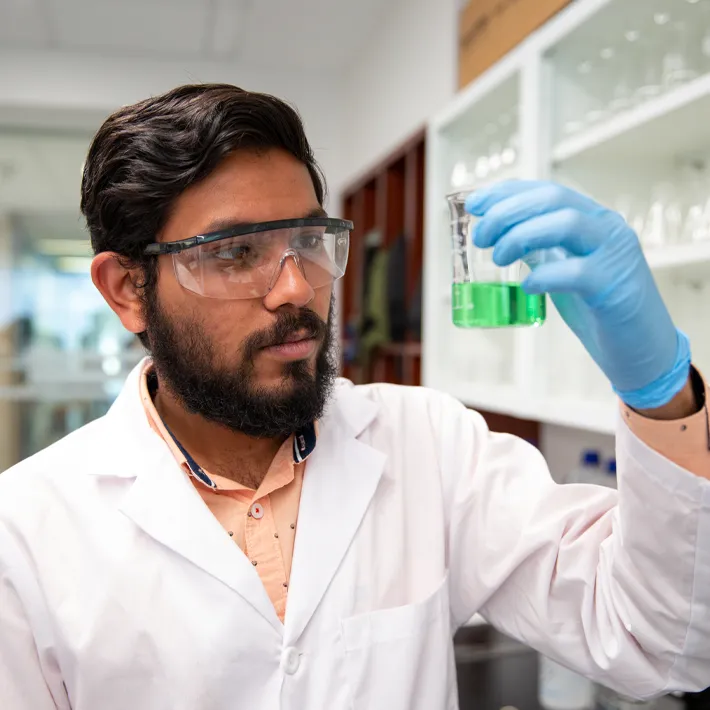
x: 231, y: 360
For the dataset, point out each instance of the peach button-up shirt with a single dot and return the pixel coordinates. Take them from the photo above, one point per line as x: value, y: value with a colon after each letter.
x: 261, y: 522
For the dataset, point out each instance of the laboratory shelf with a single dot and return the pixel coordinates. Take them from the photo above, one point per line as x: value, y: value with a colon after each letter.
x: 689, y: 257
x: 664, y: 127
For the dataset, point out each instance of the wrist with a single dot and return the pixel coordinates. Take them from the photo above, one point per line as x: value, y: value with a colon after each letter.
x: 666, y: 388
x: 690, y: 400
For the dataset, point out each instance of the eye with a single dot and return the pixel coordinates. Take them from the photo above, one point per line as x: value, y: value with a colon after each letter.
x: 311, y: 242
x: 236, y: 252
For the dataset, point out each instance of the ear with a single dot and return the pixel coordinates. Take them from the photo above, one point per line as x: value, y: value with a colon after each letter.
x: 117, y: 285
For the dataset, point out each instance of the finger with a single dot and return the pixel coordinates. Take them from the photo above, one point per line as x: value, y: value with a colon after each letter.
x: 513, y: 210
x: 567, y: 276
x: 576, y: 232
x: 480, y: 201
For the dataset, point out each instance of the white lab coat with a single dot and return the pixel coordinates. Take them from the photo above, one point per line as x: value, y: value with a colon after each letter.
x: 119, y: 590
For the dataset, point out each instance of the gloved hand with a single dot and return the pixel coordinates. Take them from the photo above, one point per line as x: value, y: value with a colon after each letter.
x: 593, y: 267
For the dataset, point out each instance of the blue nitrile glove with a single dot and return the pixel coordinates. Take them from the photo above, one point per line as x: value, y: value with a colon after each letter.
x: 593, y: 266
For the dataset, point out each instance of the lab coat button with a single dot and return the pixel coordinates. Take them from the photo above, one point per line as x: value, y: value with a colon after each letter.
x: 290, y: 660
x: 257, y: 511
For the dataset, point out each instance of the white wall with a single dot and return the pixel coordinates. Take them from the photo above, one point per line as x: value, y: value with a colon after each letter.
x: 405, y: 74
x: 49, y: 88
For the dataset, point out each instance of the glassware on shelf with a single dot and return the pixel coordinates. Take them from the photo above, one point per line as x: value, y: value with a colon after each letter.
x: 704, y: 234
x: 664, y: 221
x: 495, y: 158
x: 634, y: 211
x: 511, y: 152
x: 492, y: 155
x: 599, y: 78
x: 695, y: 228
x: 678, y: 61
x: 696, y: 225
x: 460, y: 175
x: 622, y: 96
x: 576, y: 123
x: 650, y: 82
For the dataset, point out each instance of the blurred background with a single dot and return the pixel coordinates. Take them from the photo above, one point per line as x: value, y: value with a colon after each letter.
x: 404, y: 101
x: 355, y: 71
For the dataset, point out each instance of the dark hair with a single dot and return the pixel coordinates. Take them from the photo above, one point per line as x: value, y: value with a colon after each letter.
x: 145, y: 155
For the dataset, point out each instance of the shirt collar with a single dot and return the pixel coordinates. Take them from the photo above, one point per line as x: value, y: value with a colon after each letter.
x: 304, y: 440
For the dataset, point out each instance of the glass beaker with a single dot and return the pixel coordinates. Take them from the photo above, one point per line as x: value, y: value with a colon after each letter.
x: 484, y: 295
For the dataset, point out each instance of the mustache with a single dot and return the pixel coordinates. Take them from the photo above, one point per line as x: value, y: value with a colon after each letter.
x: 287, y: 323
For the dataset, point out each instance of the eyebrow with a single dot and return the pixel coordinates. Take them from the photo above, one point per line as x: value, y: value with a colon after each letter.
x: 219, y: 225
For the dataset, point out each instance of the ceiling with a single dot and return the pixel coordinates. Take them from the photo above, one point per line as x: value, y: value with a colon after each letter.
x: 303, y: 34
x: 40, y: 166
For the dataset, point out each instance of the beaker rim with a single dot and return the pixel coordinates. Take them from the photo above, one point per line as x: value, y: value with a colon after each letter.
x: 460, y: 195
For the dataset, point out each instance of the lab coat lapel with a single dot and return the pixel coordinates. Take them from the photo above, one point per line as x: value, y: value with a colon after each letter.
x: 341, y: 477
x: 164, y: 503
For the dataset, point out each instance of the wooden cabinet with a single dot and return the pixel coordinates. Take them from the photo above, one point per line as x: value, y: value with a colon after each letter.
x: 386, y: 205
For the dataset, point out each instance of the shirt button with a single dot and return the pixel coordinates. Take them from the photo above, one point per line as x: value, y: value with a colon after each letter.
x: 257, y: 511
x: 290, y: 660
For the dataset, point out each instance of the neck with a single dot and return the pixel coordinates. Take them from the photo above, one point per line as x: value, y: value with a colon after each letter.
x: 231, y: 454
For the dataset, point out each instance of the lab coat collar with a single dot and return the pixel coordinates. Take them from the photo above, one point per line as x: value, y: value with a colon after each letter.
x: 341, y: 477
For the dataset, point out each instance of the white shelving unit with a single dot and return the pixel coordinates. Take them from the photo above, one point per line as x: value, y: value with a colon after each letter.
x: 544, y: 374
x: 665, y: 126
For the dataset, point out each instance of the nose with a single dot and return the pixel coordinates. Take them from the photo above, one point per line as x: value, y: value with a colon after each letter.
x: 290, y: 287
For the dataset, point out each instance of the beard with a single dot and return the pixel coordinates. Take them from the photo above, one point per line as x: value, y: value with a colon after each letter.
x: 185, y: 360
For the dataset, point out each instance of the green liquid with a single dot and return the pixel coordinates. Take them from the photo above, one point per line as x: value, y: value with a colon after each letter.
x: 495, y: 305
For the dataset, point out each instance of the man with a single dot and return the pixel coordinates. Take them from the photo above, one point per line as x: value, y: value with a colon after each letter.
x: 241, y: 531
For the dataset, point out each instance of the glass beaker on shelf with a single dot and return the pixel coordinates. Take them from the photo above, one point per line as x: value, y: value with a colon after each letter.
x: 460, y: 175
x: 511, y: 151
x: 624, y: 93
x: 484, y: 295
x: 663, y: 224
x: 574, y: 110
x: 598, y: 75
x: 679, y: 61
x: 634, y: 211
x: 650, y: 52
x: 696, y: 227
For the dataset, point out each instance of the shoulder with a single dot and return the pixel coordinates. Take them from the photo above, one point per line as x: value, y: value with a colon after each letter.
x: 412, y: 415
x: 417, y: 403
x: 31, y: 482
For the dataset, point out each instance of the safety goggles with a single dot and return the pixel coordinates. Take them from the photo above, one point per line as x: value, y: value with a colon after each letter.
x: 246, y: 261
